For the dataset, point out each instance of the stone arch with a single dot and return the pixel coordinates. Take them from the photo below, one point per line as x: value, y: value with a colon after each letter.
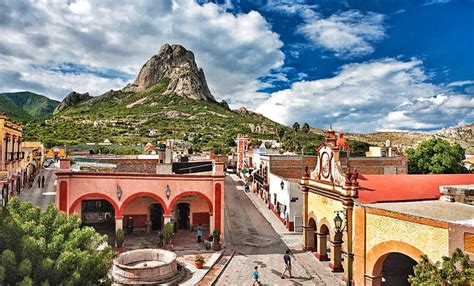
x: 142, y: 194
x: 312, y: 215
x: 325, y: 223
x: 377, y: 254
x: 73, y: 206
x: 184, y: 194
x: 312, y: 235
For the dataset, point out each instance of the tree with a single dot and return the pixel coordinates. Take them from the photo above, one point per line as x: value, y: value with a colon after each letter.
x: 296, y: 127
x: 230, y: 141
x: 436, y: 156
x: 281, y: 133
x: 46, y: 247
x: 454, y: 270
x: 305, y: 127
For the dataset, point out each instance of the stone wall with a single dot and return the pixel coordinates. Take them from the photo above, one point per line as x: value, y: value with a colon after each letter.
x: 382, y: 165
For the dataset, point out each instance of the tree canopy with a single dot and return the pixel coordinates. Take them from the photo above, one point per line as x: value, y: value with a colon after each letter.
x: 305, y: 127
x: 436, y: 156
x: 296, y: 126
x: 454, y: 270
x: 48, y: 248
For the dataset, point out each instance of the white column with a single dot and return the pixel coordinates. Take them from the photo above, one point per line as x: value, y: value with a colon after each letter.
x: 211, y: 224
x: 167, y: 218
x: 118, y: 223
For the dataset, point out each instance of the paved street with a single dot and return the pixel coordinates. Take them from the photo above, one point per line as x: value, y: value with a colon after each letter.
x: 41, y: 197
x: 256, y: 243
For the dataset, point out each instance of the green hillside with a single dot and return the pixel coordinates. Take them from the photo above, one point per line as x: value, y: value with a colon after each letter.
x: 127, y: 118
x: 37, y: 106
x: 15, y: 112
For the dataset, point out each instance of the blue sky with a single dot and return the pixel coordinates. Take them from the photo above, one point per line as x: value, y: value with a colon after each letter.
x: 359, y: 65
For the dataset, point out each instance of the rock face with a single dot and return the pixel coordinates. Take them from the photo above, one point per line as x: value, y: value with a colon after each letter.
x: 71, y: 99
x: 177, y: 64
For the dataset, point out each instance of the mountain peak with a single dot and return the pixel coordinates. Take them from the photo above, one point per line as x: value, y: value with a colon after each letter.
x: 178, y: 65
x: 71, y: 99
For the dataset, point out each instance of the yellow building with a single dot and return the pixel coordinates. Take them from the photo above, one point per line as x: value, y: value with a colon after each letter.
x: 56, y: 153
x: 374, y: 228
x: 32, y: 161
x: 10, y: 157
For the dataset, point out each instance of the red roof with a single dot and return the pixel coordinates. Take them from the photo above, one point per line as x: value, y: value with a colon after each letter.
x: 397, y: 188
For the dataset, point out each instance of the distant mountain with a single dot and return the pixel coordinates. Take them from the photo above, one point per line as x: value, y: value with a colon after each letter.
x: 463, y: 135
x: 169, y: 99
x: 176, y: 64
x: 71, y: 100
x: 25, y: 106
x: 15, y: 112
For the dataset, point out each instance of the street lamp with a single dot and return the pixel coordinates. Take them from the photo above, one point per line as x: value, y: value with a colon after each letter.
x: 282, y: 184
x: 168, y: 192
x: 119, y: 192
x: 338, y: 222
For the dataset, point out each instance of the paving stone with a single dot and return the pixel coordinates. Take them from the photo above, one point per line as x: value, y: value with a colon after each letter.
x: 248, y: 219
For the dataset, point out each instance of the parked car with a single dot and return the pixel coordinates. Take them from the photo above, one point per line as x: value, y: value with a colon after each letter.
x: 46, y: 164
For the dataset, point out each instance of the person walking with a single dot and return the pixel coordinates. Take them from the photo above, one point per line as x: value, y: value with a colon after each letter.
x: 42, y: 181
x: 255, y: 276
x: 287, y: 260
x: 199, y: 233
x: 39, y: 181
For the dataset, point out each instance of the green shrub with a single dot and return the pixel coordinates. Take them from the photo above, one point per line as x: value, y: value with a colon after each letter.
x: 120, y: 237
x: 168, y: 233
x: 217, y: 235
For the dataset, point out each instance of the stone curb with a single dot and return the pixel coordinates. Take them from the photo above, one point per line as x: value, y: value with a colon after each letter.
x: 200, y: 274
x: 218, y: 276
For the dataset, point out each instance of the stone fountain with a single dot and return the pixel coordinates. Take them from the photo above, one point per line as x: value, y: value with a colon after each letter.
x: 147, y: 267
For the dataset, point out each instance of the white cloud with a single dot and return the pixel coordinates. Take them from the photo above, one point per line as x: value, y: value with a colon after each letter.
x: 82, y: 7
x: 461, y: 83
x: 347, y: 34
x: 233, y: 50
x: 435, y: 2
x: 385, y: 94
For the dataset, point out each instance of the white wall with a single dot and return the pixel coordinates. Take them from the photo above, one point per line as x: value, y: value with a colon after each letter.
x: 284, y: 196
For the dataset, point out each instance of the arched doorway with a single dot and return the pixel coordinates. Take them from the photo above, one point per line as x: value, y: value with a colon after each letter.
x: 101, y: 208
x: 140, y: 210
x: 396, y: 268
x: 156, y: 216
x: 322, y: 244
x: 98, y: 213
x: 385, y: 272
x: 182, y: 215
x: 200, y: 209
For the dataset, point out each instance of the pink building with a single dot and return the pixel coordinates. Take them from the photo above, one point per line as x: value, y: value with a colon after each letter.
x: 242, y: 149
x: 111, y: 197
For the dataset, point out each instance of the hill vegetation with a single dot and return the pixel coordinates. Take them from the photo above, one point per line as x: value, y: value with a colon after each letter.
x: 150, y: 116
x: 26, y: 106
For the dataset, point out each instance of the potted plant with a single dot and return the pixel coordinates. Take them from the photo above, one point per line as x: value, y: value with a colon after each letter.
x: 167, y: 236
x: 119, y: 240
x: 199, y: 261
x: 217, y: 239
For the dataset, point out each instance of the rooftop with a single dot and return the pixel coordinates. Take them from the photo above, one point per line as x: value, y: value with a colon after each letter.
x: 456, y: 213
x: 399, y: 188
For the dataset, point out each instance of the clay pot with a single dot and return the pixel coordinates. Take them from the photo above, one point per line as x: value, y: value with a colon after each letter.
x: 199, y: 264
